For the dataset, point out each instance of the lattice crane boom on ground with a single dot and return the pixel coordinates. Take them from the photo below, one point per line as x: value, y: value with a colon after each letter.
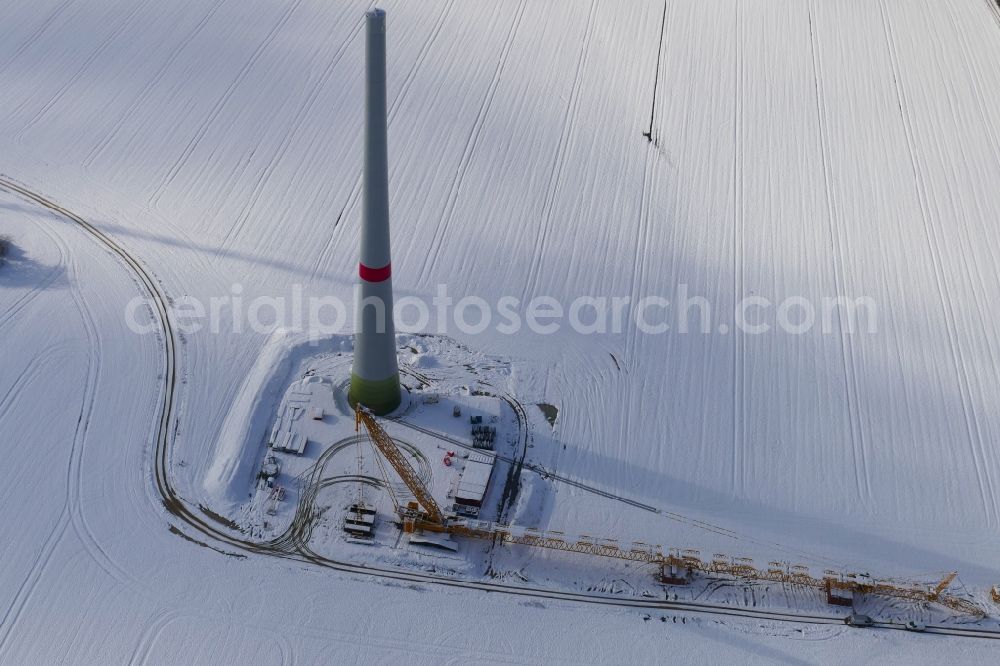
x: 673, y: 565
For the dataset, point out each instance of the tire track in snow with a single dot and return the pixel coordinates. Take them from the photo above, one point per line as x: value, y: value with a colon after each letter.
x: 981, y: 105
x: 739, y: 283
x: 51, y: 277
x: 639, y: 262
x: 149, y: 87
x: 994, y: 9
x: 176, y: 506
x: 355, y: 194
x: 163, y: 495
x: 555, y: 177
x: 300, y: 115
x: 649, y: 178
x: 981, y: 275
x: 61, y: 91
x: 30, y: 39
x: 656, y: 76
x: 471, y: 143
x: 221, y: 103
x: 29, y: 370
x: 643, y: 231
x: 640, y: 254
x: 75, y: 479
x: 69, y: 515
x: 154, y: 628
x: 862, y: 478
x: 976, y: 447
x: 550, y: 474
x: 19, y: 600
x: 285, y: 648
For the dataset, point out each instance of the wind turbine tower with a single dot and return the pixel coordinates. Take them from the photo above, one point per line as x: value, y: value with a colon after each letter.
x: 375, y: 374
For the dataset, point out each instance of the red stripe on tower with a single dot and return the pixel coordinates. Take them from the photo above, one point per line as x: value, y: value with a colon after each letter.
x: 374, y: 274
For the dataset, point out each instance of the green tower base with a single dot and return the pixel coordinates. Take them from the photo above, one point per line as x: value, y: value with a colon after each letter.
x: 381, y: 396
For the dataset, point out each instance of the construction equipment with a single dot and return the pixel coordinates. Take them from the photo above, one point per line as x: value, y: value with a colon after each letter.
x: 675, y: 567
x: 432, y: 515
x: 943, y: 585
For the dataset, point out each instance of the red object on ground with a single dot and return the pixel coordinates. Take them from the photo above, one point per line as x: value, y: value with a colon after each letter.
x: 447, y: 461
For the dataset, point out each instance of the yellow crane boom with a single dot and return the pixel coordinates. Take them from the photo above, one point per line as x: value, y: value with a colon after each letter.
x: 381, y: 440
x: 672, y: 564
x: 943, y: 585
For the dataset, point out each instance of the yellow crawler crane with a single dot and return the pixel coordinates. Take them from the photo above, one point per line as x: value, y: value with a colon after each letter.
x: 674, y: 567
x: 411, y: 515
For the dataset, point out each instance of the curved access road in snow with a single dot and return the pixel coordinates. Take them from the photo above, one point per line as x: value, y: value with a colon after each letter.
x: 296, y: 550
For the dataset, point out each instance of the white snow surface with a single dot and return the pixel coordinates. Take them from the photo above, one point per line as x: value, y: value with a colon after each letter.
x: 803, y: 148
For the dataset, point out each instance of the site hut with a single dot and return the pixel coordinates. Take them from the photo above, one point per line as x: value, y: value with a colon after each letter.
x: 473, y: 485
x: 375, y: 371
x: 359, y: 522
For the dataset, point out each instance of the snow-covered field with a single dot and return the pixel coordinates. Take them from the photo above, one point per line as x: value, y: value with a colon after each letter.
x: 800, y: 149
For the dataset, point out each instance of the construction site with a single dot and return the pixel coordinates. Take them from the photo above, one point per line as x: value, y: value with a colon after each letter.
x: 511, y: 332
x: 432, y: 486
x: 425, y: 470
